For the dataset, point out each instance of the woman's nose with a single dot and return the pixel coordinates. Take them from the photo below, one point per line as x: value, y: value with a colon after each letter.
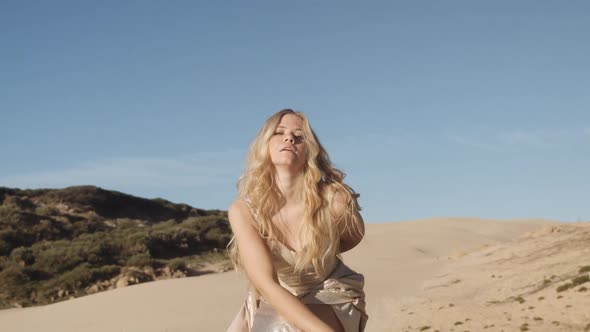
x: 289, y: 138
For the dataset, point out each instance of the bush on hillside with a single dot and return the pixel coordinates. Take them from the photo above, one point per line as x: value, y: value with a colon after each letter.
x: 81, y: 253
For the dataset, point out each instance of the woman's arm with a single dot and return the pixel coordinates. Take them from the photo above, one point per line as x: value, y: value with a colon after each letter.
x: 256, y: 260
x: 349, y: 238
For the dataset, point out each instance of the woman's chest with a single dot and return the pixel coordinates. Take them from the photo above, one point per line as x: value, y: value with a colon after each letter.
x: 289, y: 222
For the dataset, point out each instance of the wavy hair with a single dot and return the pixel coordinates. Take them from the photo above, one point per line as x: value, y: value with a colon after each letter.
x: 322, y: 226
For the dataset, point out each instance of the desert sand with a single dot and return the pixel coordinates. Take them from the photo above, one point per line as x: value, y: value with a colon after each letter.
x: 447, y: 274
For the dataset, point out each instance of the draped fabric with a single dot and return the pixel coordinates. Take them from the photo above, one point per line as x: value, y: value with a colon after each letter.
x: 340, y: 287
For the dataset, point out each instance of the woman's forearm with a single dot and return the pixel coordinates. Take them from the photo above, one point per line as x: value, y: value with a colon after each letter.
x: 292, y: 309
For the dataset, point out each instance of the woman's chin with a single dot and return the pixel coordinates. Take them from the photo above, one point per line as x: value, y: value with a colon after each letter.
x: 286, y: 161
x: 288, y: 164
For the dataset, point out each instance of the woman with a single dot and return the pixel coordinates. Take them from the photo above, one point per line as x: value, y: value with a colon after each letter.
x: 292, y: 219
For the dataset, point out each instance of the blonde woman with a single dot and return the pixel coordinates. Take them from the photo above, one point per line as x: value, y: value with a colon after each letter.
x: 292, y: 218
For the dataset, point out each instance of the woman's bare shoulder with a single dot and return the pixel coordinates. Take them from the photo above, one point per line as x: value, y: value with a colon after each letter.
x: 239, y: 212
x: 340, y: 201
x: 237, y: 204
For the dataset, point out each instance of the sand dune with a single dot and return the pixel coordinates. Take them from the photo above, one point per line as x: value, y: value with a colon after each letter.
x: 510, y: 286
x: 411, y: 270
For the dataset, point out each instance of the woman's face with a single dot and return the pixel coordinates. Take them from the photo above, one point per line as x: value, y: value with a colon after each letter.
x: 287, y: 144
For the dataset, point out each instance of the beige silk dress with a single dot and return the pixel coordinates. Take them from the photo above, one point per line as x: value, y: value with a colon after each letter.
x: 339, y: 287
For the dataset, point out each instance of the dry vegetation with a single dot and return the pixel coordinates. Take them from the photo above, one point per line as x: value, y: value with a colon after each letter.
x: 58, y: 244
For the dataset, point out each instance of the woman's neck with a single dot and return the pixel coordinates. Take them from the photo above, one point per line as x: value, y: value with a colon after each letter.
x: 290, y: 186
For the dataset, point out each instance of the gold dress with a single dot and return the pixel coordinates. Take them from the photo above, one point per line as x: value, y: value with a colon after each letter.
x: 340, y: 287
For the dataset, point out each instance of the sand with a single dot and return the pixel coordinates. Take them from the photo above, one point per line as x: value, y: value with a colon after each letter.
x: 448, y: 274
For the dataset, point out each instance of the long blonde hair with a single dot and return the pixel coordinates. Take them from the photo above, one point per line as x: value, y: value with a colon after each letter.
x: 321, y: 228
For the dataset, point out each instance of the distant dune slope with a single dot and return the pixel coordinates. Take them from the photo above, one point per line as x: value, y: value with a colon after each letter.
x: 539, y: 281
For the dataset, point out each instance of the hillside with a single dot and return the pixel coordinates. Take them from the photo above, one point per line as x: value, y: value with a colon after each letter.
x: 58, y: 244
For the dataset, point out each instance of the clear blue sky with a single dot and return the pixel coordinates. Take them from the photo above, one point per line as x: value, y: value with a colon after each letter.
x: 432, y: 108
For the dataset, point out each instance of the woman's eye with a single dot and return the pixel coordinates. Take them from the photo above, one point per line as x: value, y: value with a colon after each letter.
x: 298, y: 138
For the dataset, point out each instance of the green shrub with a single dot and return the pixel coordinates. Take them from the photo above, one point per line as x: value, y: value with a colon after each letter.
x: 45, y: 210
x: 140, y: 260
x: 90, y: 226
x: 49, y: 230
x: 580, y: 280
x: 105, y: 272
x: 519, y: 299
x: 173, y: 241
x: 57, y: 256
x: 10, y: 239
x: 81, y: 276
x: 15, y: 284
x: 9, y: 214
x: 177, y: 264
x: 13, y: 275
x: 22, y: 255
x: 574, y: 282
x: 78, y: 277
x: 126, y: 223
x: 216, y: 238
